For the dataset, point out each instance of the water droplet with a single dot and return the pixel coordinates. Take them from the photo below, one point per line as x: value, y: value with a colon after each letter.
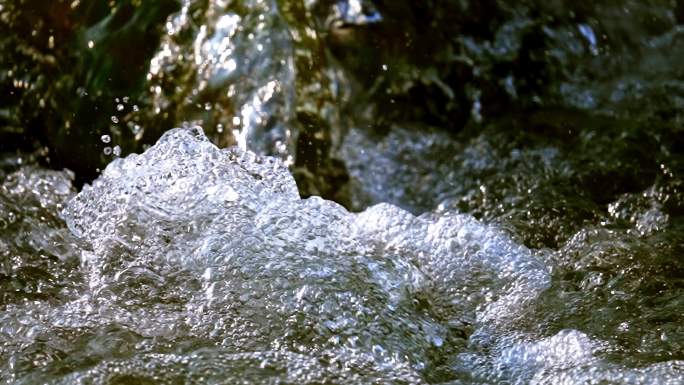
x: 106, y: 138
x: 116, y: 151
x: 236, y: 120
x: 107, y: 150
x: 115, y: 120
x: 119, y: 107
x: 588, y: 34
x: 91, y: 44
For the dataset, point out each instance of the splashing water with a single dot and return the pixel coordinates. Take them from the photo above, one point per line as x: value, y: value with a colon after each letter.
x: 189, y: 263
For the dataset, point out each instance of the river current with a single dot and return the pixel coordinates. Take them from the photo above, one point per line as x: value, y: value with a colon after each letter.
x: 356, y: 192
x: 190, y: 263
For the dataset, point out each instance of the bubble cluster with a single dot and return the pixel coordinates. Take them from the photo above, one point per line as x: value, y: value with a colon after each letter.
x: 199, y: 264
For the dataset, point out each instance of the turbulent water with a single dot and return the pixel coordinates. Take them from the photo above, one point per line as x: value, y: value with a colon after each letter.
x: 360, y: 192
x: 190, y: 263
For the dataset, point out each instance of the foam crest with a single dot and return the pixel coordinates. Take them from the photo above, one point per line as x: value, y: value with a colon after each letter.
x: 304, y: 275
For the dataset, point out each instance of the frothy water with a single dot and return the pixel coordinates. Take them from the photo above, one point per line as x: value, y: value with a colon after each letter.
x: 194, y: 264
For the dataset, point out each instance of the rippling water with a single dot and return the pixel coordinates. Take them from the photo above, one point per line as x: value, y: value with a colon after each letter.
x: 369, y: 192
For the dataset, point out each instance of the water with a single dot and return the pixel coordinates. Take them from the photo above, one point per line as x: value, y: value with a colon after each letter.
x: 198, y: 264
x: 449, y: 192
